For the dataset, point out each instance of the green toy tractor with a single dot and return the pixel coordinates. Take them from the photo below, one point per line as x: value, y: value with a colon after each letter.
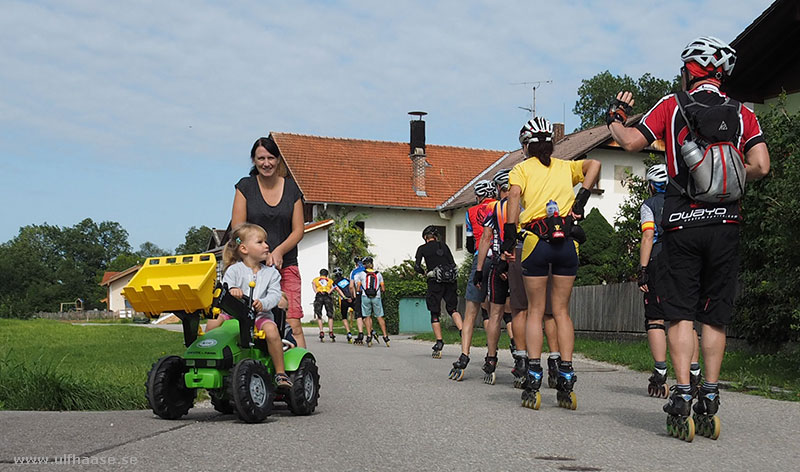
x: 231, y: 362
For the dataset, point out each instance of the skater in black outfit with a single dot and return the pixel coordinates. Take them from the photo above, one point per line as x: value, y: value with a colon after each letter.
x: 440, y: 270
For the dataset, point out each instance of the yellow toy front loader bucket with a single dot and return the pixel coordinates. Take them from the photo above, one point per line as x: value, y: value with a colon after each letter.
x: 173, y: 283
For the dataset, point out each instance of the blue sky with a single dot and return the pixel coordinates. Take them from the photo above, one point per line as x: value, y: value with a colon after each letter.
x: 144, y: 114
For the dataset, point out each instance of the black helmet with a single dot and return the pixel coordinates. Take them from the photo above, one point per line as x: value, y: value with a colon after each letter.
x: 429, y: 231
x: 323, y: 272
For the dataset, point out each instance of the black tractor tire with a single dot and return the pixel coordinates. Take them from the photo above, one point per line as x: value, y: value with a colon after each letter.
x: 251, y: 390
x: 166, y: 389
x: 304, y: 394
x: 221, y: 399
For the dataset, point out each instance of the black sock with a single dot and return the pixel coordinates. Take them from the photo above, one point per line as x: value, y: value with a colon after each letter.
x: 565, y: 366
x: 535, y: 363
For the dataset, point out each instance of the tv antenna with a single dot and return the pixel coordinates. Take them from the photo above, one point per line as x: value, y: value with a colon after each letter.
x: 534, y: 85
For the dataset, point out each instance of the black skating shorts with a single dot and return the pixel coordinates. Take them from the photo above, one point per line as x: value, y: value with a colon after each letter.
x: 437, y: 292
x: 652, y: 302
x: 700, y: 274
x: 344, y: 307
x: 357, y: 306
x: 542, y: 257
x: 323, y: 300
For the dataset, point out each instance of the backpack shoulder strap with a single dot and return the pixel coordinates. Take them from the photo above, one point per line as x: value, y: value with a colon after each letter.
x: 679, y: 98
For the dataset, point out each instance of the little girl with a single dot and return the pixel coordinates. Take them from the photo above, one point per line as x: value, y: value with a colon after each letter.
x: 243, y: 258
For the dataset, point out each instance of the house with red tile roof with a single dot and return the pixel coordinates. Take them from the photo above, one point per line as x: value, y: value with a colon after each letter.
x: 114, y: 282
x: 397, y: 189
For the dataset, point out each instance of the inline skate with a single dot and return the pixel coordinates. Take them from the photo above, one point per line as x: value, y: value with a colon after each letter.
x: 386, y: 341
x: 531, y: 398
x: 332, y: 336
x: 457, y: 372
x: 679, y: 423
x: 349, y: 338
x: 552, y: 371
x: 369, y: 340
x: 374, y: 336
x: 437, y: 349
x: 321, y: 337
x: 359, y: 339
x: 705, y: 409
x: 658, y: 385
x: 566, y: 397
x: 519, y: 371
x: 489, y: 367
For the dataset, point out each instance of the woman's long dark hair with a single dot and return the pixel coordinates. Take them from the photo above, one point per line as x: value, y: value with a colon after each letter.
x: 542, y: 151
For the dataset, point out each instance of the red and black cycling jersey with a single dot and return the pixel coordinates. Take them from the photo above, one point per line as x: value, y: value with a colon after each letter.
x: 664, y: 121
x: 475, y: 217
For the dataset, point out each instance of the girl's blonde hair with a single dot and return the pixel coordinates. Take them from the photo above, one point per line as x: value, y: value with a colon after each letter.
x: 239, y: 234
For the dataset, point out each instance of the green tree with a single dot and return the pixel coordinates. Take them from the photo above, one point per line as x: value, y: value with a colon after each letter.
x: 599, y: 255
x: 768, y: 312
x: 595, y: 94
x: 196, y: 241
x: 346, y: 240
x: 148, y: 249
x: 46, y: 265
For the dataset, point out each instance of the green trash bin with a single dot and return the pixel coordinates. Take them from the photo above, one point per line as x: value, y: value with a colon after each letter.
x: 414, y: 315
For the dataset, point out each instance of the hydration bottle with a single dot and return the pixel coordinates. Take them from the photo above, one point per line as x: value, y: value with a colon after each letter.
x: 692, y: 154
x: 552, y: 208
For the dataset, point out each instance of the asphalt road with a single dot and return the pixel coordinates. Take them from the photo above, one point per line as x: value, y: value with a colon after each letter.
x: 394, y: 409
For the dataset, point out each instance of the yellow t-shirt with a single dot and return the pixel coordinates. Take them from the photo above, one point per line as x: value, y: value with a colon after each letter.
x: 322, y: 284
x: 541, y: 184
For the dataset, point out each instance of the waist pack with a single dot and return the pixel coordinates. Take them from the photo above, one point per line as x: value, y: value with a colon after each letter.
x: 716, y: 166
x: 445, y: 273
x: 556, y: 229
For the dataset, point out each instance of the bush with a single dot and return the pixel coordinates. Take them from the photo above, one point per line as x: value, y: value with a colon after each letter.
x: 599, y: 255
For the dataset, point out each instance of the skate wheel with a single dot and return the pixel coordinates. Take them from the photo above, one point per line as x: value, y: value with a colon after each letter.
x: 532, y: 400
x: 459, y: 376
x: 490, y: 378
x: 664, y: 391
x: 387, y: 343
x: 687, y: 432
x: 349, y: 341
x: 651, y: 390
x: 714, y: 428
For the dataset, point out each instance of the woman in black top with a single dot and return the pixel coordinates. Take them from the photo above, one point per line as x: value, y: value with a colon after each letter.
x: 273, y: 201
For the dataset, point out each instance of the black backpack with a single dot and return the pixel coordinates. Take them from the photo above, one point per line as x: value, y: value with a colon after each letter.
x: 715, y: 164
x: 371, y: 284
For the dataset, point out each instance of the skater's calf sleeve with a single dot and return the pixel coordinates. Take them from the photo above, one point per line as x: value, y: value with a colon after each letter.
x: 434, y: 317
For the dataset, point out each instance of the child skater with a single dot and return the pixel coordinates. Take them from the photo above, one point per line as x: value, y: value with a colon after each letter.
x: 243, y: 258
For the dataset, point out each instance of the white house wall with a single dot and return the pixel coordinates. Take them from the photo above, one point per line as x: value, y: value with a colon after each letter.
x: 116, y: 301
x: 312, y: 255
x: 614, y: 195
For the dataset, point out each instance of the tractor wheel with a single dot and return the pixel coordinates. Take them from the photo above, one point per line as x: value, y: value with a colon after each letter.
x: 252, y: 390
x: 167, y: 393
x: 304, y: 395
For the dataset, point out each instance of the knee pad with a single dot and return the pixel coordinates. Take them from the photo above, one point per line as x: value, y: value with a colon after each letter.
x: 506, y: 318
x: 434, y: 317
x: 484, y: 314
x: 648, y: 326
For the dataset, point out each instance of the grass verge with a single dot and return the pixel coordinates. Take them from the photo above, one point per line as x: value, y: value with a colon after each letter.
x: 770, y: 375
x: 51, y: 365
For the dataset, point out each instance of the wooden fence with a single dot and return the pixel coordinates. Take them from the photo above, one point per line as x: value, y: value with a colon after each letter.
x: 608, y: 308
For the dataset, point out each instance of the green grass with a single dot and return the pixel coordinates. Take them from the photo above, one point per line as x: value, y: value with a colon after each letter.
x: 51, y: 365
x: 770, y: 375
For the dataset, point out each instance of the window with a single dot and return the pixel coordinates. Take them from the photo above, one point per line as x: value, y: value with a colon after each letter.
x: 360, y: 225
x: 459, y: 237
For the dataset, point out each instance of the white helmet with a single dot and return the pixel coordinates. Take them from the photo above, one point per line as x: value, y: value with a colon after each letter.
x: 501, y: 179
x: 536, y: 130
x: 657, y: 174
x: 484, y: 189
x: 710, y: 51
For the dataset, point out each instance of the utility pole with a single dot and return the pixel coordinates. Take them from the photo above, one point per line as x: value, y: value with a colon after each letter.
x: 534, y: 85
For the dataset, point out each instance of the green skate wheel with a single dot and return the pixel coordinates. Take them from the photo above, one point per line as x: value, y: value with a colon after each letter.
x: 686, y: 430
x: 670, y: 429
x: 714, y: 428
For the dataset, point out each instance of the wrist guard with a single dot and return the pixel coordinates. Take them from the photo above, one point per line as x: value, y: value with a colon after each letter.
x: 509, y: 237
x: 641, y: 276
x: 478, y: 278
x: 580, y: 202
x: 618, y: 111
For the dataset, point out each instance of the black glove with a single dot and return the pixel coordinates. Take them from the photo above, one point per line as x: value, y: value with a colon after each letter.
x: 478, y: 278
x: 578, y: 234
x: 580, y: 203
x: 501, y: 266
x: 618, y: 111
x: 509, y: 237
x: 642, y: 277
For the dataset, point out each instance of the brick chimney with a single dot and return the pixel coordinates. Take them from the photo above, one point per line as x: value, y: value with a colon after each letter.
x: 417, y: 153
x: 558, y: 132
